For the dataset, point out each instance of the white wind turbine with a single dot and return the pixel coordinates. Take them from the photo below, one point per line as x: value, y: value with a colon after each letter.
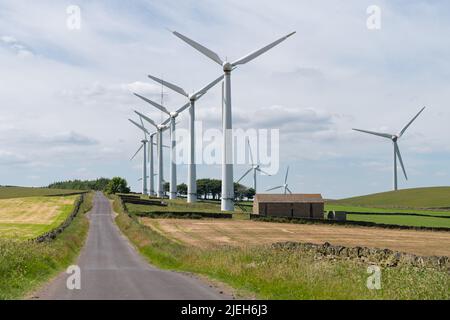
x: 193, y: 97
x: 172, y: 116
x: 254, y: 167
x: 159, y: 128
x: 285, y: 186
x: 394, y: 138
x: 144, y: 145
x: 227, y: 153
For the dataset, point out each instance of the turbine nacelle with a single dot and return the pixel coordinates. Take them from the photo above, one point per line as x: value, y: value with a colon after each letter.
x: 227, y: 66
x: 173, y: 114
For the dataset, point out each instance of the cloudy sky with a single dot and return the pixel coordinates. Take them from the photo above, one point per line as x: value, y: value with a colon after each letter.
x: 65, y: 95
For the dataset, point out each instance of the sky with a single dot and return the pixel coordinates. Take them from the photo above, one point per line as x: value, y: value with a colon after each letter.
x: 66, y: 95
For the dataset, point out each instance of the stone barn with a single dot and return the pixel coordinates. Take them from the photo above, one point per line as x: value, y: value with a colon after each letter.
x: 289, y: 205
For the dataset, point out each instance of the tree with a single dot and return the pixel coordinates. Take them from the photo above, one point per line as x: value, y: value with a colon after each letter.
x: 166, y: 187
x: 117, y: 185
x: 250, y: 193
x: 239, y: 191
x: 182, y: 189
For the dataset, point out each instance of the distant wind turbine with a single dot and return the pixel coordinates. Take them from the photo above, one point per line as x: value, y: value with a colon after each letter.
x: 143, y: 146
x: 160, y: 128
x: 172, y: 116
x: 254, y: 167
x: 285, y: 186
x: 394, y: 138
x: 193, y: 98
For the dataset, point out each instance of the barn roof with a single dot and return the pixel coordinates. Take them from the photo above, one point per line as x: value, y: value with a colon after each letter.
x: 262, y: 197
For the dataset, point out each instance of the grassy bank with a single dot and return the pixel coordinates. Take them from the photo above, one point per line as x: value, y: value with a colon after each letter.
x: 279, y: 274
x: 419, y: 198
x: 24, y: 265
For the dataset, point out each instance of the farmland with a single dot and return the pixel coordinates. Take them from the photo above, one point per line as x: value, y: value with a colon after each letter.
x: 28, y: 213
x: 29, y: 217
x: 22, y: 192
x: 238, y: 253
x: 209, y: 233
x: 418, y: 198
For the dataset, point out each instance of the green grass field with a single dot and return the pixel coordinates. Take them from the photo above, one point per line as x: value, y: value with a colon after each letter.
x: 180, y: 205
x: 419, y: 198
x: 430, y: 217
x: 24, y: 265
x: 21, y: 192
x: 429, y: 203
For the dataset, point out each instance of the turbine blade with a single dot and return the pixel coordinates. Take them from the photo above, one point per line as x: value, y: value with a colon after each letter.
x: 138, y: 125
x: 209, y: 53
x: 205, y: 89
x: 380, y: 134
x: 156, y: 105
x: 259, y: 52
x: 289, y: 190
x: 264, y: 172
x: 146, y: 119
x: 399, y: 156
x: 166, y: 121
x: 136, y: 152
x: 274, y: 188
x: 184, y: 107
x: 286, y: 177
x: 142, y: 124
x: 251, y: 154
x: 245, y: 174
x: 169, y: 85
x: 409, y: 123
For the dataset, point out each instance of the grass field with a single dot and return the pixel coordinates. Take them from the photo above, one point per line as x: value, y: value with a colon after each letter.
x: 269, y: 273
x: 429, y: 203
x: 27, y: 218
x: 22, y: 192
x: 25, y: 265
x: 419, y: 198
x: 180, y: 205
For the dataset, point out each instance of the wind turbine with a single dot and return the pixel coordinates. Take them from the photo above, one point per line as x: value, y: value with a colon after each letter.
x: 159, y: 128
x: 394, y: 138
x: 144, y: 145
x: 285, y: 186
x: 254, y: 167
x: 172, y: 116
x: 193, y: 97
x: 227, y: 153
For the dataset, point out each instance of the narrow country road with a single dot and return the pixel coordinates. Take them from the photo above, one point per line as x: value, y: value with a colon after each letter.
x: 112, y: 269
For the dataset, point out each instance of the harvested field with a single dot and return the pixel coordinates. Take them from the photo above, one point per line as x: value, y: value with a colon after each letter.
x: 211, y: 233
x: 30, y: 217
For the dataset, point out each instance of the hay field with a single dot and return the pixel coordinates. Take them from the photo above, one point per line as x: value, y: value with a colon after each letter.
x: 213, y: 233
x: 25, y: 218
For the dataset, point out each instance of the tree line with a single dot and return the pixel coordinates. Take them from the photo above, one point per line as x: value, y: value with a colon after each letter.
x: 206, y: 188
x: 212, y: 189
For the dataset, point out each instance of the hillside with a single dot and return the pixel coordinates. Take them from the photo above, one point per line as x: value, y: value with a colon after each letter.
x: 435, y: 197
x: 21, y: 192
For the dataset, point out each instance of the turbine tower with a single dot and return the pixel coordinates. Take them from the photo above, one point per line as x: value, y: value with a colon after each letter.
x: 144, y: 165
x: 151, y: 163
x: 227, y: 153
x: 172, y: 116
x: 159, y: 128
x: 394, y: 138
x: 254, y: 167
x: 285, y: 186
x: 193, y: 97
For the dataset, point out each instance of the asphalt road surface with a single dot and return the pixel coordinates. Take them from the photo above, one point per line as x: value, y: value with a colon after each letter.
x: 110, y: 268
